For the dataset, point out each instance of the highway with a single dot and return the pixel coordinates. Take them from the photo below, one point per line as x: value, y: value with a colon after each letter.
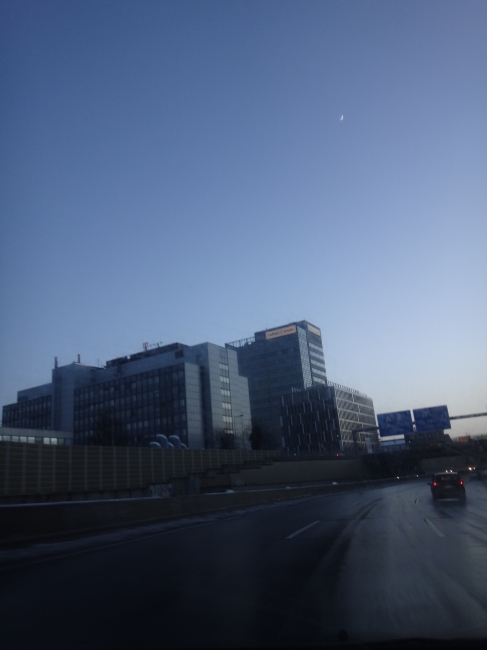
x: 380, y: 563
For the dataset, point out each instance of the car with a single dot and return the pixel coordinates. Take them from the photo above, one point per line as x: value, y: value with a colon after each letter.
x: 448, y: 485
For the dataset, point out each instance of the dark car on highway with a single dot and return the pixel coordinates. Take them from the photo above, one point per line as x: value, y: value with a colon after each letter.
x: 448, y: 485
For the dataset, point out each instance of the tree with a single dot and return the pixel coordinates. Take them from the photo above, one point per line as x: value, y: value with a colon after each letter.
x: 246, y: 433
x: 108, y: 431
x: 256, y: 436
x: 223, y: 439
x: 261, y: 438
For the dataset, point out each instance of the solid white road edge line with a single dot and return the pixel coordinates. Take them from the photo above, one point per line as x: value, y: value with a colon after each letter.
x: 302, y: 529
x: 434, y: 528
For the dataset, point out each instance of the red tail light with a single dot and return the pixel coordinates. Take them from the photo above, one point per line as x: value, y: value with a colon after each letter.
x: 461, y: 482
x: 434, y: 483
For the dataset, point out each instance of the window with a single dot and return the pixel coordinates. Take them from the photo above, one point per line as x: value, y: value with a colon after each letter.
x: 316, y: 347
x: 319, y: 372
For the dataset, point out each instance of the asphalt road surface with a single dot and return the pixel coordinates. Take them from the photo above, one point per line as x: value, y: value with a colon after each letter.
x: 381, y: 563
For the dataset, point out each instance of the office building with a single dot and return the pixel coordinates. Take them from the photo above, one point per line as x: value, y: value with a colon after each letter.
x: 355, y: 410
x: 277, y: 361
x: 194, y: 392
x: 321, y: 419
x: 286, y: 369
x: 309, y: 421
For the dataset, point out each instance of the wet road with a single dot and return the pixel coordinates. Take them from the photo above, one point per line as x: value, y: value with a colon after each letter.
x: 380, y: 563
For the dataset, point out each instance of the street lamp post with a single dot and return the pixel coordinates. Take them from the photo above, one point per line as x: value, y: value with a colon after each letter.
x: 241, y: 428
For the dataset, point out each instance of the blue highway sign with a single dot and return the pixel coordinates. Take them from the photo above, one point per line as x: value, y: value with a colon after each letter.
x: 431, y: 419
x: 395, y: 424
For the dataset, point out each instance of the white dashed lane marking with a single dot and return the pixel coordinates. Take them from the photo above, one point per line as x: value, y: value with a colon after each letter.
x: 302, y: 530
x: 434, y: 528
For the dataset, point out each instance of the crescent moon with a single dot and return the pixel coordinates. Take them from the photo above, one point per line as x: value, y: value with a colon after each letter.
x: 341, y: 118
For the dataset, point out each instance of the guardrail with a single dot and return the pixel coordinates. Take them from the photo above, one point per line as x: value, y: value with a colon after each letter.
x: 44, y: 469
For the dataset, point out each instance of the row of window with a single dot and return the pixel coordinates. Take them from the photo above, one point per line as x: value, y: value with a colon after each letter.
x: 316, y: 347
x: 29, y: 407
x: 319, y: 372
x: 35, y: 439
x: 94, y: 397
x: 315, y: 355
x: 142, y: 431
x: 122, y: 404
x: 316, y: 364
x: 137, y: 383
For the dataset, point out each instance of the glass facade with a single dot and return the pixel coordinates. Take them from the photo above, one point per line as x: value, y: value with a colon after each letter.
x: 355, y: 410
x: 133, y: 409
x: 309, y: 420
x: 276, y: 362
x: 321, y: 419
x: 29, y: 414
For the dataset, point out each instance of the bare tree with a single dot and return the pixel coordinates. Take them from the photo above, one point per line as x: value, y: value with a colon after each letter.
x: 260, y: 438
x: 223, y: 439
x: 256, y: 437
x: 108, y: 431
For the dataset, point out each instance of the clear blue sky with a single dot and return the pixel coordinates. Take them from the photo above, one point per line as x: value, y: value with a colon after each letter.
x: 178, y: 171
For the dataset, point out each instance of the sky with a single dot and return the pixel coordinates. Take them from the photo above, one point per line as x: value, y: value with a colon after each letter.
x: 179, y: 171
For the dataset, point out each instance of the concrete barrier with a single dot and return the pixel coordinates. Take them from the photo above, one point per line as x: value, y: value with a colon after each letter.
x: 302, y: 471
x: 433, y: 465
x: 29, y: 523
